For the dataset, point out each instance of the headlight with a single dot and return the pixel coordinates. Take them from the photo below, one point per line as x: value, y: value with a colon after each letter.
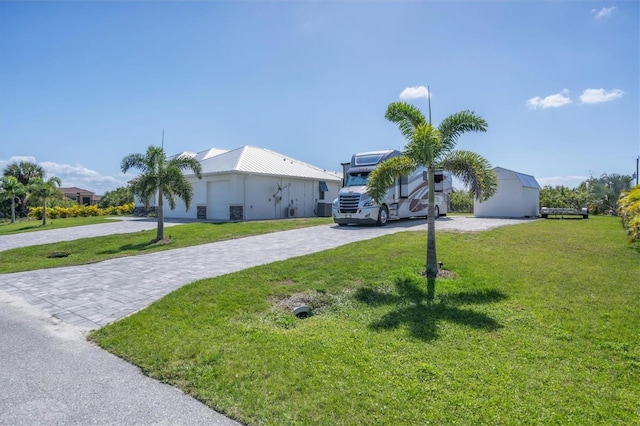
x: 370, y: 203
x: 336, y: 203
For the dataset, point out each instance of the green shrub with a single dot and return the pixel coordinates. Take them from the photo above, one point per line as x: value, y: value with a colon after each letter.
x: 461, y: 202
x: 80, y: 211
x: 629, y: 211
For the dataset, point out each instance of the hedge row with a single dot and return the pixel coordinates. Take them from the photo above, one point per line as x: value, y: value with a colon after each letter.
x: 629, y: 211
x: 80, y: 211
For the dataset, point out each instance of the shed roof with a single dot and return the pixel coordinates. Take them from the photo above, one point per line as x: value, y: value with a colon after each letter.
x: 251, y: 159
x: 527, y: 181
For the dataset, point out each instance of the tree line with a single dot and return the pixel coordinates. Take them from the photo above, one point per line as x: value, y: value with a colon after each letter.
x: 23, y: 185
x: 600, y: 195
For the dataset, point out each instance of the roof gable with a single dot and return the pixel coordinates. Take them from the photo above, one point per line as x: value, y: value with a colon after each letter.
x: 527, y: 181
x: 74, y: 190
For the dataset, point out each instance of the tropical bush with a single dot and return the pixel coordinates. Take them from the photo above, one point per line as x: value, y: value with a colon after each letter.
x: 562, y: 196
x: 461, y: 201
x: 117, y: 197
x: 81, y: 211
x: 629, y: 211
x: 604, y: 192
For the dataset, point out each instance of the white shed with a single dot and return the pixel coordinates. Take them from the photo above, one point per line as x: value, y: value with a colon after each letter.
x: 518, y: 195
x: 251, y: 183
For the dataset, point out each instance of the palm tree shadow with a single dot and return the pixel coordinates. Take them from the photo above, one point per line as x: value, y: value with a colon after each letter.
x: 129, y: 247
x: 420, y: 317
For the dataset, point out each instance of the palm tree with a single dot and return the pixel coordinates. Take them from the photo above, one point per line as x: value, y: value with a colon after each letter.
x: 42, y: 190
x: 162, y: 176
x: 12, y: 188
x: 433, y: 148
x: 24, y: 171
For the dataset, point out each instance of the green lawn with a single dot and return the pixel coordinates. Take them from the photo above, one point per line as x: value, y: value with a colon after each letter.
x: 90, y: 250
x: 26, y: 225
x: 539, y: 325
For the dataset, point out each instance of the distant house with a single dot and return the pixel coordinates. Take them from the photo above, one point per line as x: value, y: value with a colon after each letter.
x: 251, y: 183
x: 81, y: 196
x: 518, y: 196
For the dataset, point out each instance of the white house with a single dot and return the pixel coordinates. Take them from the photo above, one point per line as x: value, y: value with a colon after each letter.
x: 518, y: 195
x: 251, y: 183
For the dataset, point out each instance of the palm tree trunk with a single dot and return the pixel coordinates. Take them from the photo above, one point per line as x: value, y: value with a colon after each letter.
x: 432, y: 259
x: 160, y: 217
x: 44, y: 212
x: 13, y: 209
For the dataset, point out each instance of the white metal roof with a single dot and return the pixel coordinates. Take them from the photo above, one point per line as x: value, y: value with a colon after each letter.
x: 251, y: 159
x: 527, y: 181
x: 202, y: 155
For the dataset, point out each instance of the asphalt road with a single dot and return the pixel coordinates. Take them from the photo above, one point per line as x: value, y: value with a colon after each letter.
x: 50, y: 375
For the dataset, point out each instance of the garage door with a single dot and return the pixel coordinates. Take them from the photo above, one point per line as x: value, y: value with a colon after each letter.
x: 218, y: 200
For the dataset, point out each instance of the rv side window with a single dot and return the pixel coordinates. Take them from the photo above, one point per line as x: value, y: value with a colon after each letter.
x: 357, y: 179
x: 404, y: 186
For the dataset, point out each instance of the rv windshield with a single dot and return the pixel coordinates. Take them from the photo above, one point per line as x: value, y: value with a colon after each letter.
x: 354, y: 179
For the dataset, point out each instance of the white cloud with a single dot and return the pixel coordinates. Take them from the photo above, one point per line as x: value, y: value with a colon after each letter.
x: 414, y: 92
x: 605, y: 12
x: 568, y: 181
x: 595, y: 96
x: 16, y: 159
x: 77, y: 175
x: 551, y: 101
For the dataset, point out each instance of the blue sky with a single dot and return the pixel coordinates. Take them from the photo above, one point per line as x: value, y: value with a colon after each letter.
x: 83, y: 84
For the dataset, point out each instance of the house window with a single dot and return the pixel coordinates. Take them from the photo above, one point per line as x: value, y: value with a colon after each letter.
x: 322, y: 189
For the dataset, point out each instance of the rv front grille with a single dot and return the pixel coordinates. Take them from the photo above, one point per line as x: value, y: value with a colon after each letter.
x: 349, y: 203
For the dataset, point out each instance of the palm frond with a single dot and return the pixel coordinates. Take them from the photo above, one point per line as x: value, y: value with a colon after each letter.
x: 406, y: 116
x: 456, y: 124
x: 474, y: 171
x: 385, y: 173
x: 186, y: 163
x: 424, y: 146
x: 176, y: 185
x: 132, y: 161
x: 145, y: 186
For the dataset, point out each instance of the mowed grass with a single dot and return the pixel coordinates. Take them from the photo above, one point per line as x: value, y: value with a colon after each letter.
x: 539, y: 325
x: 24, y: 225
x: 91, y: 250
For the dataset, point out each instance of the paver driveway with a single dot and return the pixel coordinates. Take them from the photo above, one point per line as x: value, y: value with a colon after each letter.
x: 93, y: 295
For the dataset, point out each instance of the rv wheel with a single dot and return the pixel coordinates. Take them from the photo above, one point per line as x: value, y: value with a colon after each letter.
x: 383, y: 216
x: 436, y: 211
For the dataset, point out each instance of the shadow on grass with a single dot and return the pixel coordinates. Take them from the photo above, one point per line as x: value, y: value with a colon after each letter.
x: 24, y: 228
x: 131, y: 247
x: 420, y: 317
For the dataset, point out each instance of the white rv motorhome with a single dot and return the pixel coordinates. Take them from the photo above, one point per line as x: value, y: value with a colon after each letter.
x: 407, y: 197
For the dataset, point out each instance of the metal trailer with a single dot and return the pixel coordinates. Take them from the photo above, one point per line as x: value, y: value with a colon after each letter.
x: 406, y: 197
x: 545, y: 212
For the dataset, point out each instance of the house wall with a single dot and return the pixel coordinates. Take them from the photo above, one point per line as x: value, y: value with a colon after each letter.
x: 255, y: 197
x: 510, y: 200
